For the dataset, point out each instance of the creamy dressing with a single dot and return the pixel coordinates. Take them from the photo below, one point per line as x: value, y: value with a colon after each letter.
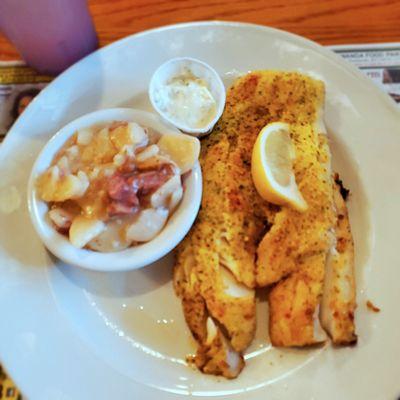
x: 187, y: 100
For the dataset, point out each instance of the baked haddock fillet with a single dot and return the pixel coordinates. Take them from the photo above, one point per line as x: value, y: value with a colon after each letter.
x: 293, y: 254
x: 219, y: 310
x: 300, y: 248
x: 339, y: 299
x: 216, y: 267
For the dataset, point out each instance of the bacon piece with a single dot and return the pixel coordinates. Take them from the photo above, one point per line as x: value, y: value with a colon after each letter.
x: 120, y: 189
x: 125, y: 190
x: 147, y: 182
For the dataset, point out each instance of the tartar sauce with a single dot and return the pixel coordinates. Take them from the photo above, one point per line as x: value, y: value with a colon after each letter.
x: 186, y: 100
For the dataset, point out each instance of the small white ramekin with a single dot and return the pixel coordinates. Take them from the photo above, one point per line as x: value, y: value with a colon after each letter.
x: 134, y: 257
x: 175, y: 67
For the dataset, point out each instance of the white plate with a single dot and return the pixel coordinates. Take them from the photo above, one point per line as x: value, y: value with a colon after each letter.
x: 66, y: 333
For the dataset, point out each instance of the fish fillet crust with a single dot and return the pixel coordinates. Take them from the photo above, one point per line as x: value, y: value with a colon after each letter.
x: 214, y: 355
x: 339, y: 299
x: 293, y: 254
x: 221, y: 249
x: 294, y: 235
x: 222, y: 244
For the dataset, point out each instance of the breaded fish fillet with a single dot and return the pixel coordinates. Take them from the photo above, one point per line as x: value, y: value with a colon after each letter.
x: 299, y: 248
x: 294, y: 234
x: 215, y: 354
x: 338, y: 301
x: 208, y: 290
x: 294, y: 252
x: 217, y: 268
x: 297, y: 243
x: 294, y: 305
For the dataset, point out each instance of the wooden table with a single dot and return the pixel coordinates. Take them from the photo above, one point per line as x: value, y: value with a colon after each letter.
x: 325, y: 21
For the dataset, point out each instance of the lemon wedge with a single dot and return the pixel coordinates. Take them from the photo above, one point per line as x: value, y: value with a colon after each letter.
x: 272, y: 167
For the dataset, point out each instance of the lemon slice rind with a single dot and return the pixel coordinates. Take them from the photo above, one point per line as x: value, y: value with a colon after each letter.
x: 271, y: 167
